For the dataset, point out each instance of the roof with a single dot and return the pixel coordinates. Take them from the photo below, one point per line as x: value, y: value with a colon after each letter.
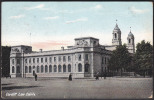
x: 130, y: 34
x: 21, y: 46
x: 86, y: 38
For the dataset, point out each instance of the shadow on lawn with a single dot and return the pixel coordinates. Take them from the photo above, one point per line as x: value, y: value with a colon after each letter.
x: 18, y: 87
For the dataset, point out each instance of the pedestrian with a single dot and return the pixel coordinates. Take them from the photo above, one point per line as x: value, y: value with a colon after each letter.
x: 97, y: 77
x: 70, y: 77
x: 35, y: 77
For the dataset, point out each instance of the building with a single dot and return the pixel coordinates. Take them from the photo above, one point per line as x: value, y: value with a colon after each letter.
x: 86, y: 58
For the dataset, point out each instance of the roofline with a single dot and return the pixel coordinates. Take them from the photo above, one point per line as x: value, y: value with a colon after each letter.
x: 21, y: 46
x: 86, y: 38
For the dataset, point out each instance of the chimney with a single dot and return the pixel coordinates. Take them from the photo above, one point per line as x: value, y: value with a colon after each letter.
x: 62, y: 48
x: 41, y: 50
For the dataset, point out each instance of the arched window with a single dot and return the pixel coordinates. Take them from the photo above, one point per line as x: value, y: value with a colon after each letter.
x: 42, y: 69
x: 18, y: 69
x: 55, y: 68
x: 129, y: 40
x: 12, y: 69
x: 26, y: 69
x: 69, y: 68
x: 115, y: 35
x: 64, y: 68
x: 30, y: 70
x: 38, y: 70
x: 86, y: 67
x: 59, y: 68
x: 50, y: 68
x: 34, y: 67
x: 79, y: 67
x: 46, y: 68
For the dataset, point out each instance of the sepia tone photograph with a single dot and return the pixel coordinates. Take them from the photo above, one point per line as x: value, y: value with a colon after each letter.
x: 76, y: 50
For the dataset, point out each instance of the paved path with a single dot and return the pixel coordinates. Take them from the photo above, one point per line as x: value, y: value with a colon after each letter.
x: 109, y: 88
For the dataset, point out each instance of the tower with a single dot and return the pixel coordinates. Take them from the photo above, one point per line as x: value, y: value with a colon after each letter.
x: 116, y: 36
x: 130, y: 42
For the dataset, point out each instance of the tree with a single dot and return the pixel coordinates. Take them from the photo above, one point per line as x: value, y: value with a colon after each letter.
x: 143, y: 58
x: 120, y: 59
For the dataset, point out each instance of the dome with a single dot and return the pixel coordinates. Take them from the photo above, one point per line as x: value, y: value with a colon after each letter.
x: 116, y: 27
x: 130, y: 34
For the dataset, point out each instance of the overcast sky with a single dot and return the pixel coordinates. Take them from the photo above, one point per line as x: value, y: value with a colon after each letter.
x: 56, y: 24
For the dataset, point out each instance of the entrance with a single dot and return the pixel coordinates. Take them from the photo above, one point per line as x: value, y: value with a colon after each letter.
x: 87, y: 70
x: 18, y: 74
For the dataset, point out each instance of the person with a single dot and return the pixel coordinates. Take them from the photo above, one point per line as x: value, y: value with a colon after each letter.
x: 35, y: 77
x: 97, y: 77
x: 70, y: 77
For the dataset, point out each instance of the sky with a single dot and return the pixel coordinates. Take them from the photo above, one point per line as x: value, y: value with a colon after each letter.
x: 51, y: 25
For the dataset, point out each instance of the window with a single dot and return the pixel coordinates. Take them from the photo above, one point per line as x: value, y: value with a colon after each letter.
x: 50, y: 59
x: 46, y: 59
x: 38, y: 70
x: 115, y: 35
x: 86, y: 57
x: 29, y: 60
x: 41, y: 60
x: 64, y: 58
x: 33, y: 60
x: 18, y: 61
x: 59, y: 68
x: 50, y: 68
x: 129, y: 40
x: 33, y: 67
x: 102, y: 60
x: 12, y: 61
x: 12, y: 69
x: 55, y: 68
x: 18, y: 69
x: 79, y: 57
x: 25, y: 60
x: 69, y: 58
x: 37, y: 60
x: 86, y: 67
x: 64, y: 68
x: 54, y: 59
x: 79, y: 67
x: 42, y: 69
x: 59, y: 58
x: 69, y: 68
x: 46, y: 68
x: 94, y: 42
x: 30, y: 70
x: 26, y: 69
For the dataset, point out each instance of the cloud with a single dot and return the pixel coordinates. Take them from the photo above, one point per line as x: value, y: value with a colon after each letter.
x: 50, y: 18
x: 97, y: 7
x: 77, y: 20
x: 137, y: 11
x: 49, y: 44
x: 16, y: 17
x: 41, y: 6
x: 65, y: 11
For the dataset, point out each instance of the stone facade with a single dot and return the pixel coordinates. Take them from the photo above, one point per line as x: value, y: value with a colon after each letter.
x: 84, y: 59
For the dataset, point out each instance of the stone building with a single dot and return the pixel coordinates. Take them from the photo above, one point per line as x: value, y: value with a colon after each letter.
x: 86, y: 58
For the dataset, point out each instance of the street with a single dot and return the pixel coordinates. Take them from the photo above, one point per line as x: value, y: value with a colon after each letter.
x: 55, y: 88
